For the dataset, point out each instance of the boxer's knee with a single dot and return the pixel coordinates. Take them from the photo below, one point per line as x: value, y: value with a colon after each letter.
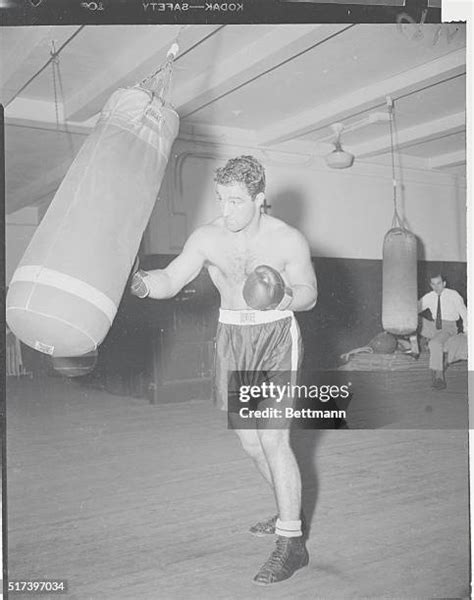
x: 273, y: 440
x: 250, y: 442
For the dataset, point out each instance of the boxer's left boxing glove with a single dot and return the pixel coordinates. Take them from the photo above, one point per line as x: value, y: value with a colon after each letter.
x: 139, y: 286
x: 265, y: 289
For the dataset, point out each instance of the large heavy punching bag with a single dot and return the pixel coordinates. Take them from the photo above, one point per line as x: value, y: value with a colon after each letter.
x: 65, y: 292
x: 399, y: 297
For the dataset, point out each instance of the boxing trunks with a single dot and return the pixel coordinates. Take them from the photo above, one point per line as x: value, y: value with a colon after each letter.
x: 267, y: 343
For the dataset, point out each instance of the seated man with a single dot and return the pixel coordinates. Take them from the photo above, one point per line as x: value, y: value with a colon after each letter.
x: 446, y: 307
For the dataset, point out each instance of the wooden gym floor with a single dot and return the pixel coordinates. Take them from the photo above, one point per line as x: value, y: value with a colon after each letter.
x: 126, y: 500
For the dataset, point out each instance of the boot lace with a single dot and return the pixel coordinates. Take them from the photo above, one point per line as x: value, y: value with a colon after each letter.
x: 277, y: 557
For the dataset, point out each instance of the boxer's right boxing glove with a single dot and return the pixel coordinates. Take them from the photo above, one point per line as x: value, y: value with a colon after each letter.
x: 139, y: 286
x: 265, y: 289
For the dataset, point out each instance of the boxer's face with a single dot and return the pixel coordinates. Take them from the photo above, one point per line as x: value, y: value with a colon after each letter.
x: 437, y: 285
x: 237, y: 207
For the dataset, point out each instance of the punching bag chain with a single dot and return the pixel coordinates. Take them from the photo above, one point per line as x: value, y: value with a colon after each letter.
x: 57, y: 82
x: 159, y: 82
x: 396, y: 221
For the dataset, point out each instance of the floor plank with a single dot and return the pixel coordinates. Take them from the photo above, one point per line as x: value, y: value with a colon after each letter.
x: 126, y: 500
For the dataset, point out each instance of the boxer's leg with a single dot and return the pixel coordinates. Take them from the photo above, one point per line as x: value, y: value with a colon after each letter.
x: 253, y: 447
x: 237, y: 352
x: 284, y: 472
x: 290, y: 553
x: 251, y: 444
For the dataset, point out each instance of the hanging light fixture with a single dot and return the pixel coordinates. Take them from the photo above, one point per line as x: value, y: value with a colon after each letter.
x: 339, y: 158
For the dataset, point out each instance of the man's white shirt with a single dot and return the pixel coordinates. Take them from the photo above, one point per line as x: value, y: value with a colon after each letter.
x: 452, y: 305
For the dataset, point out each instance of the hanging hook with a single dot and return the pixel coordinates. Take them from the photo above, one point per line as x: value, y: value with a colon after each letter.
x: 52, y: 52
x: 173, y: 51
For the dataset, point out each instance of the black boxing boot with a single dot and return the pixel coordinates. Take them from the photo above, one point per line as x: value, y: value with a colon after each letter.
x: 289, y: 555
x: 266, y: 527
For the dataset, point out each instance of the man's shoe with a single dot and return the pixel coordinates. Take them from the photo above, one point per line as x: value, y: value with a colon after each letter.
x: 263, y: 528
x: 414, y: 347
x: 439, y: 384
x: 289, y: 555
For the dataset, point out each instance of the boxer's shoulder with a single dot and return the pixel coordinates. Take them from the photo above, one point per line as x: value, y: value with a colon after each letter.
x: 206, y: 233
x: 271, y: 223
x: 287, y: 234
x: 208, y: 238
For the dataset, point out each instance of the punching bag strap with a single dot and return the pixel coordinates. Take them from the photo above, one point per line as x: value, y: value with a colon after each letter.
x: 396, y: 220
x: 158, y: 83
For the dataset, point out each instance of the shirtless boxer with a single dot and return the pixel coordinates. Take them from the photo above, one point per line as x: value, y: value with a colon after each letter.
x: 245, y: 248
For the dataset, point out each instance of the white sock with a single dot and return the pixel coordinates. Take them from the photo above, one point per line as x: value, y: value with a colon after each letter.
x: 288, y: 528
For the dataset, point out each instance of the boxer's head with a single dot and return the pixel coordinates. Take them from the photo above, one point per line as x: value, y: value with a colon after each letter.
x: 437, y: 283
x: 240, y: 190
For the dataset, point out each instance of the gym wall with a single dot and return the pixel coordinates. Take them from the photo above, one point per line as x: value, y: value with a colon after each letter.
x: 163, y: 350
x: 343, y: 213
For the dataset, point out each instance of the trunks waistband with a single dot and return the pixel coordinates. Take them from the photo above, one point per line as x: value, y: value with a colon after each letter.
x: 252, y: 317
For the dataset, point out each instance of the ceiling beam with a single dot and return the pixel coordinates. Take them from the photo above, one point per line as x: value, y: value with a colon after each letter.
x: 41, y: 114
x: 252, y: 60
x: 216, y: 134
x: 450, y: 159
x: 367, y: 98
x: 132, y: 64
x: 25, y: 50
x: 278, y: 45
x: 418, y: 134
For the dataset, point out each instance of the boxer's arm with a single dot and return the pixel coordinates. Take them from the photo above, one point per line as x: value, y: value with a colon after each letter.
x: 300, y: 275
x: 166, y: 283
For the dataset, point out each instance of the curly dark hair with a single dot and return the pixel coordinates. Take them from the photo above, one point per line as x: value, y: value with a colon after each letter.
x: 243, y: 169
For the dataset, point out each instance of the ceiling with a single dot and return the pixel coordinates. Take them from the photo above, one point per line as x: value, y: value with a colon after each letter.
x: 277, y: 87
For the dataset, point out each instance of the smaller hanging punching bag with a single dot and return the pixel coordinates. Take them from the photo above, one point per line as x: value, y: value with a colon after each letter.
x: 400, y: 287
x: 400, y: 256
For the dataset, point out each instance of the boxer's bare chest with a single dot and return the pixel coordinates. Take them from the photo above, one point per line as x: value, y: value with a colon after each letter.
x: 234, y: 258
